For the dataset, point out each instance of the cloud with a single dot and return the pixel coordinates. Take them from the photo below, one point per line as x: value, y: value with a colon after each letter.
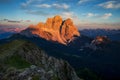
x: 110, y: 5
x: 71, y: 15
x: 28, y: 2
x: 28, y: 21
x: 88, y: 15
x: 67, y: 14
x: 63, y: 6
x: 83, y: 1
x: 5, y: 19
x: 91, y: 25
x: 43, y: 6
x: 55, y: 5
x: 91, y: 15
x: 25, y: 4
x: 38, y: 12
x: 12, y: 21
x: 15, y: 30
x: 15, y: 21
x: 106, y: 15
x: 37, y: 7
x: 98, y: 16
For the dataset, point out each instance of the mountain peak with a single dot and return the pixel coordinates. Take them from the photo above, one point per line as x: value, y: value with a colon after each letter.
x: 54, y: 29
x: 57, y: 17
x: 101, y: 40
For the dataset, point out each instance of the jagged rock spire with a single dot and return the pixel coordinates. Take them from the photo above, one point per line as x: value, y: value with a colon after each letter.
x: 55, y: 29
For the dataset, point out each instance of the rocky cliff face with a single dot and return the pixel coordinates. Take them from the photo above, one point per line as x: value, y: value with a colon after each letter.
x: 98, y: 43
x: 21, y: 60
x: 55, y: 29
x: 100, y: 40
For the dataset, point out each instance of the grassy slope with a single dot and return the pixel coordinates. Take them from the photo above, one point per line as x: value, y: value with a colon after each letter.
x: 8, y: 56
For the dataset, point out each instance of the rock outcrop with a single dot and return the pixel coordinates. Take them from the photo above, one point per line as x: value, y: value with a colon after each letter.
x: 55, y: 29
x: 21, y: 60
x: 100, y: 40
x: 98, y: 43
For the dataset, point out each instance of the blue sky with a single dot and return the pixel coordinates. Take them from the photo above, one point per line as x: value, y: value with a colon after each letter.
x: 85, y: 13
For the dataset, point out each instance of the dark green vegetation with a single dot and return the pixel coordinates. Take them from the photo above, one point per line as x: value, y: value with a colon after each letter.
x: 87, y: 74
x: 17, y: 62
x: 8, y: 56
x: 23, y: 60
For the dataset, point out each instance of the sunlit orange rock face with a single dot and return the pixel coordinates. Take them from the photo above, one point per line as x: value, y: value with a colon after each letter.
x: 101, y: 40
x: 68, y: 31
x: 55, y: 29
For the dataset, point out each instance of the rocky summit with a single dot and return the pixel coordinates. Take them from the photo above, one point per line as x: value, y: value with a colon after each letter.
x: 54, y: 29
x: 101, y: 40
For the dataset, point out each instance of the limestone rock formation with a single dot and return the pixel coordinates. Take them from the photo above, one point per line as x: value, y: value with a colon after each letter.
x: 55, y: 29
x: 68, y: 31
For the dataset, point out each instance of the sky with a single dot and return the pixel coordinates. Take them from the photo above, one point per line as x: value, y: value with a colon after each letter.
x: 84, y: 13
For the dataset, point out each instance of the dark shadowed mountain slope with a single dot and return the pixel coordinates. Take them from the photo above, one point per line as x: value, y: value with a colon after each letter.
x: 6, y: 35
x: 104, y: 60
x: 21, y: 60
x: 115, y: 37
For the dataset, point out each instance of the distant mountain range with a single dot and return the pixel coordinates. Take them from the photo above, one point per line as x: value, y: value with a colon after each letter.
x: 6, y: 35
x: 112, y: 34
x: 7, y: 30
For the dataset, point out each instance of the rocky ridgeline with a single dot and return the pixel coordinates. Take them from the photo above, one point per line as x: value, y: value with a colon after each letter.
x: 55, y: 29
x: 41, y: 66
